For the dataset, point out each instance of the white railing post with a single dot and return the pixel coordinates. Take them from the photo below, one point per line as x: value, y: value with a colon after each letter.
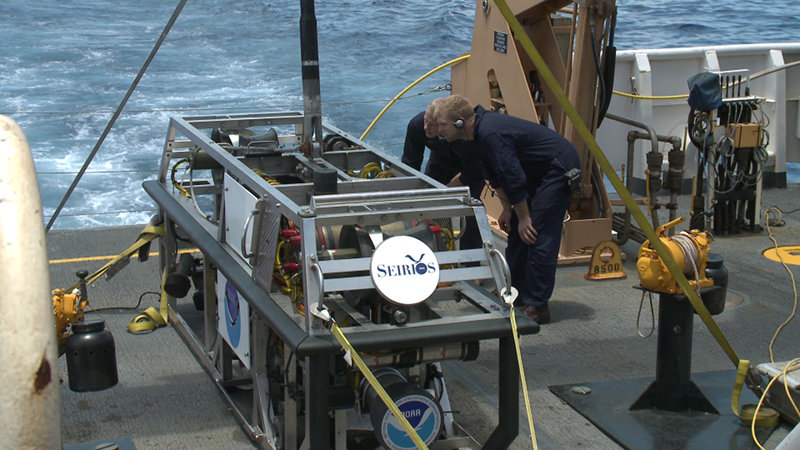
x: 776, y: 90
x: 643, y: 111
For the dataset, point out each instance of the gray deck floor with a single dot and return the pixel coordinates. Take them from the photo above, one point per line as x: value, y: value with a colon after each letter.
x: 165, y: 400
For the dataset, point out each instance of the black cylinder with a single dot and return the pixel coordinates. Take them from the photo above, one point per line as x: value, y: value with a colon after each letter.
x: 91, y: 357
x: 715, y: 298
x: 698, y: 220
x: 325, y: 180
x: 673, y: 389
x: 423, y: 412
x: 178, y: 283
x: 201, y: 160
x: 308, y: 40
x: 674, y: 181
x: 674, y: 351
x: 654, y: 161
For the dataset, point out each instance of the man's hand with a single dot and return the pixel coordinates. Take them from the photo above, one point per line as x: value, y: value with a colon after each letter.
x: 526, y: 230
x: 455, y: 181
x: 505, y: 220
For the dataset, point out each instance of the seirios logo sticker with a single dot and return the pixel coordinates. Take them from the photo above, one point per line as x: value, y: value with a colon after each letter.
x: 404, y: 270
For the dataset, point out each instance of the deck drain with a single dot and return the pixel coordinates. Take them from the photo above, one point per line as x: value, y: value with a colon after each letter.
x: 582, y: 390
x: 733, y: 299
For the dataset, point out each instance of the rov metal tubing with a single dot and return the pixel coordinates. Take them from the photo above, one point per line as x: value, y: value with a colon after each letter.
x: 416, y: 194
x: 317, y: 349
x: 653, y: 151
x: 295, y: 337
x: 190, y: 128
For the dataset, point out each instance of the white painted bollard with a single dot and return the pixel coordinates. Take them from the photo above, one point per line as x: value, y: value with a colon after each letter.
x: 30, y: 407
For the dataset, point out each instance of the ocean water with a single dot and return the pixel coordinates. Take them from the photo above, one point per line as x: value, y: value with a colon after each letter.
x: 65, y: 67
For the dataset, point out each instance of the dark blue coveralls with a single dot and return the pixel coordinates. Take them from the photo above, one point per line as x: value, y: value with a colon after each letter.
x: 528, y: 161
x: 445, y: 161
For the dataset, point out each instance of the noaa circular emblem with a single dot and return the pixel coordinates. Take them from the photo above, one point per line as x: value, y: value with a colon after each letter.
x: 422, y: 414
x: 232, y: 314
x: 404, y: 270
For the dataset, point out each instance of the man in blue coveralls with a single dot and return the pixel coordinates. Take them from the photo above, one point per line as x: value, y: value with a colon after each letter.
x: 532, y: 168
x: 445, y: 162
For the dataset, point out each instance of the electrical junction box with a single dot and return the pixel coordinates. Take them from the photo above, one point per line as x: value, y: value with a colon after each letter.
x: 776, y: 398
x: 745, y: 135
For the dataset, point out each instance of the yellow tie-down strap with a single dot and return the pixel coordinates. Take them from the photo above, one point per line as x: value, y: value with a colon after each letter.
x: 146, y: 322
x: 351, y: 354
x: 513, y: 319
x: 764, y: 417
x: 149, y: 233
x: 151, y: 318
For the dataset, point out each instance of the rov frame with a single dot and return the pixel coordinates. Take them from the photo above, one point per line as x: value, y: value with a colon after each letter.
x: 237, y: 230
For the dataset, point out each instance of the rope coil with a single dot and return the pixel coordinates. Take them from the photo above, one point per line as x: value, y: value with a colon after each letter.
x: 690, y: 253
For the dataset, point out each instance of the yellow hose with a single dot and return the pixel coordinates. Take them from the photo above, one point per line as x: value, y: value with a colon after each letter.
x: 679, y: 96
x: 397, y: 97
x: 651, y: 97
x: 175, y: 182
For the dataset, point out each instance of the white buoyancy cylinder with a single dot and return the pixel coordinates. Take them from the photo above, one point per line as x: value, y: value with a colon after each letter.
x: 30, y: 407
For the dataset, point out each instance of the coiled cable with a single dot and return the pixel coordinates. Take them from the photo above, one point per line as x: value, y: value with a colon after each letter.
x: 690, y: 255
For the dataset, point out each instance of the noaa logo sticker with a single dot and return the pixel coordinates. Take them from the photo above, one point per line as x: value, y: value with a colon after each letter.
x: 404, y: 270
x: 232, y: 314
x: 422, y: 415
x: 233, y: 318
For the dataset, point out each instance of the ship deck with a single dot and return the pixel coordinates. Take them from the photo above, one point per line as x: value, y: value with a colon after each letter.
x: 164, y: 399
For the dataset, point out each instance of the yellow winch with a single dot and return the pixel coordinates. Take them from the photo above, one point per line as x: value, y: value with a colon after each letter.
x: 688, y: 249
x: 68, y: 307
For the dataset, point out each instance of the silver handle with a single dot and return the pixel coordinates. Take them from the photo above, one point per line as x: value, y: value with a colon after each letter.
x: 250, y: 216
x: 319, y: 310
x: 462, y: 225
x: 503, y: 267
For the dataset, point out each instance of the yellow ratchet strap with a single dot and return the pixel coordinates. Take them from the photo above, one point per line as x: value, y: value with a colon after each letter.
x: 145, y: 236
x: 513, y: 318
x: 764, y: 417
x: 377, y: 386
x: 151, y: 318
